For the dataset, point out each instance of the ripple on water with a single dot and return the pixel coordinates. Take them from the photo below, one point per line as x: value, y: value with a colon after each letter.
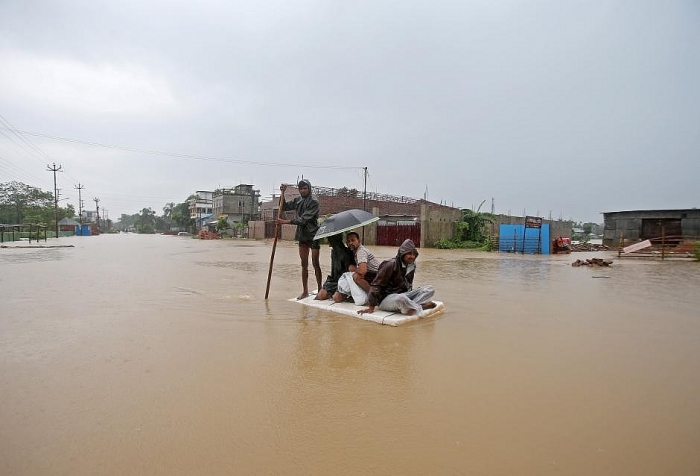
x: 23, y: 255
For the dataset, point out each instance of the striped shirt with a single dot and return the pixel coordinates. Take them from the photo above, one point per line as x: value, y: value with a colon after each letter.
x: 363, y: 255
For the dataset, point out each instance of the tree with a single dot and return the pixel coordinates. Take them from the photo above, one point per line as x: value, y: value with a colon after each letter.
x: 17, y: 200
x: 168, y: 210
x: 222, y: 225
x: 181, y: 216
x: 472, y: 227
x: 146, y: 221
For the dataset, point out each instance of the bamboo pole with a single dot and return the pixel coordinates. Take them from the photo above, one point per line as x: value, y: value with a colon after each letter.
x: 274, y: 244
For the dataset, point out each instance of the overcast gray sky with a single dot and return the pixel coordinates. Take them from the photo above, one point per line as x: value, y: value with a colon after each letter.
x: 563, y: 107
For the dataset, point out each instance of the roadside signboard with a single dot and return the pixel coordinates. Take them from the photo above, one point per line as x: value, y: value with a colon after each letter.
x: 533, y: 222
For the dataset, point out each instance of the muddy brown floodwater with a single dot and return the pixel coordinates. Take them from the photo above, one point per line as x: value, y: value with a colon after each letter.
x: 158, y: 355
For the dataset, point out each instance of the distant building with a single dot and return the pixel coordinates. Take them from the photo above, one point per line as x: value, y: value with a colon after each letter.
x: 90, y: 216
x: 239, y: 204
x: 673, y: 225
x: 400, y: 217
x: 334, y: 200
x: 68, y: 224
x: 201, y: 205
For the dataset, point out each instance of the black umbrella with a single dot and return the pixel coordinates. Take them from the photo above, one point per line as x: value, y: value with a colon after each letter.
x: 344, y: 221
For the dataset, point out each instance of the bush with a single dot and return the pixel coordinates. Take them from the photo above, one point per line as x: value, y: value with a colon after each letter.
x: 696, y: 250
x: 444, y: 244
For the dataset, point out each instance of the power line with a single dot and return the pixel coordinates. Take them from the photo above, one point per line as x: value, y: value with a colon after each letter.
x: 176, y: 155
x: 20, y: 173
x: 14, y: 131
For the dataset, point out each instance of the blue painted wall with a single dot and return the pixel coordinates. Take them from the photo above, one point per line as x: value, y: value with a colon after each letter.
x: 510, y: 239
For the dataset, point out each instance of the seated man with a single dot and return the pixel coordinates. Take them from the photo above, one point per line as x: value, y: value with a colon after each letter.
x: 342, y: 260
x: 392, y: 288
x: 356, y: 282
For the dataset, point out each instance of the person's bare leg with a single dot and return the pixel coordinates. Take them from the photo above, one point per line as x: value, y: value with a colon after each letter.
x: 304, y: 257
x: 315, y: 260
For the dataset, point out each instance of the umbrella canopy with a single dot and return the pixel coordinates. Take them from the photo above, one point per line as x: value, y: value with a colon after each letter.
x: 344, y: 221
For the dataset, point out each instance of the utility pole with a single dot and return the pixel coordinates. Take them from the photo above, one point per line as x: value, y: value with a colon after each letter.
x: 79, y: 188
x: 364, y: 193
x: 55, y: 169
x: 97, y: 204
x: 364, y: 202
x: 493, y: 206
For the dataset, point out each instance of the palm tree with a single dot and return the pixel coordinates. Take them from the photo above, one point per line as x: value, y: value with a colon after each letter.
x: 168, y: 210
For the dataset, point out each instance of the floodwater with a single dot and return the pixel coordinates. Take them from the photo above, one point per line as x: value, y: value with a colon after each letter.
x: 157, y: 355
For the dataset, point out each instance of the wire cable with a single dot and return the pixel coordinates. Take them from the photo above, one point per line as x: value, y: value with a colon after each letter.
x: 13, y: 129
x: 176, y: 155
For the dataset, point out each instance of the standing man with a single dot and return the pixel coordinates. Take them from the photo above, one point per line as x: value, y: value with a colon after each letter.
x: 392, y: 288
x: 307, y: 225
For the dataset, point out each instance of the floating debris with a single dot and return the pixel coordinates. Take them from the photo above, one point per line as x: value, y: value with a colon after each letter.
x: 592, y: 262
x: 37, y: 246
x: 589, y: 247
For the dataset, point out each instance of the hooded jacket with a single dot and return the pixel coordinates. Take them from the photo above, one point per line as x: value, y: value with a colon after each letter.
x: 307, y: 215
x: 393, y: 277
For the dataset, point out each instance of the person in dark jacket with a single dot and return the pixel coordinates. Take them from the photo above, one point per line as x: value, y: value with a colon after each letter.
x: 341, y: 260
x: 392, y: 288
x: 307, y: 224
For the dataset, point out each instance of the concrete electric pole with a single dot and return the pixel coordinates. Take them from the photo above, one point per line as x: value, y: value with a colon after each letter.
x: 55, y: 169
x: 97, y: 205
x: 80, y: 188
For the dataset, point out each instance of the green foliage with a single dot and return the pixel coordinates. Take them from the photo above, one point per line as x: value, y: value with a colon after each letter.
x: 222, y: 225
x: 696, y: 250
x: 145, y: 229
x: 168, y: 210
x: 474, y: 224
x: 472, y: 228
x: 146, y: 221
x: 468, y: 245
x: 24, y: 204
x: 21, y: 203
x: 181, y: 216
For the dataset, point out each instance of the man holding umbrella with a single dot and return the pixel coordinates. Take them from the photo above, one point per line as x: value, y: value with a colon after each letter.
x: 341, y: 260
x: 356, y: 282
x: 341, y: 222
x: 307, y: 224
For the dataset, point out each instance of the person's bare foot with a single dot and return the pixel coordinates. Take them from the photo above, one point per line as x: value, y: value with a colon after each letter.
x: 428, y: 305
x: 302, y: 296
x: 322, y: 295
x: 410, y: 312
